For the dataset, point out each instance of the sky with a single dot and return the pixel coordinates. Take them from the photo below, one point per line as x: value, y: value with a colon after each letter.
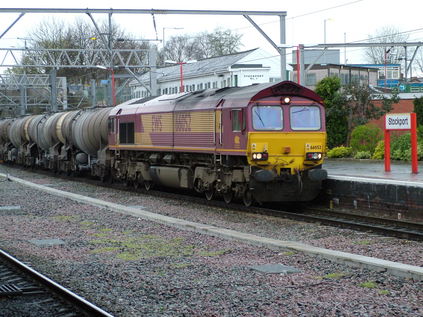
x: 350, y: 20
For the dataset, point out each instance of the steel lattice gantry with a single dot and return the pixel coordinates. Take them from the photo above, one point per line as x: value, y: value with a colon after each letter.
x: 72, y: 58
x: 23, y: 91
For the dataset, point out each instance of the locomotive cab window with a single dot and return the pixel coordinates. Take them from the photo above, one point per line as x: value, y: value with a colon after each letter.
x: 305, y: 118
x: 126, y: 133
x: 236, y: 118
x: 267, y: 118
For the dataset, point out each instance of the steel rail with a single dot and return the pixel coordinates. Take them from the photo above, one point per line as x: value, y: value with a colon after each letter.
x: 64, y: 293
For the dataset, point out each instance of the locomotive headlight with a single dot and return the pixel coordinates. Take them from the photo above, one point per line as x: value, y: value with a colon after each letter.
x: 286, y: 100
x: 260, y: 156
x: 314, y: 156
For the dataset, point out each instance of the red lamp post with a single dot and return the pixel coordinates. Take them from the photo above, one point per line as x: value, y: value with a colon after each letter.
x: 181, y: 69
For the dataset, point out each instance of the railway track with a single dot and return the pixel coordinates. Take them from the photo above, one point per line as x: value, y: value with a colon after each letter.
x: 332, y: 217
x: 384, y: 226
x: 25, y: 292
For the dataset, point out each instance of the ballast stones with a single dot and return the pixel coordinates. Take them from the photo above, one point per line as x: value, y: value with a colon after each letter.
x: 275, y: 269
x: 47, y: 242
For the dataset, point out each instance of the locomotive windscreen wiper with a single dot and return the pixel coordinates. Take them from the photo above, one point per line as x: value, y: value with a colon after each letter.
x: 258, y: 115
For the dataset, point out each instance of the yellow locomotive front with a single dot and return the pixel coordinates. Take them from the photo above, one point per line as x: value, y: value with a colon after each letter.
x: 286, y: 143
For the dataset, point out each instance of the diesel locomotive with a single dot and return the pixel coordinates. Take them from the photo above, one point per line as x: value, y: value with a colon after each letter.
x: 262, y: 143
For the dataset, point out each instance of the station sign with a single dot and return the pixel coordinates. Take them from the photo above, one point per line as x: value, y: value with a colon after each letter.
x: 401, y: 121
x: 398, y: 121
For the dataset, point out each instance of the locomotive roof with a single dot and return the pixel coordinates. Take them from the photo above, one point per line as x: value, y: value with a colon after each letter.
x: 210, y: 98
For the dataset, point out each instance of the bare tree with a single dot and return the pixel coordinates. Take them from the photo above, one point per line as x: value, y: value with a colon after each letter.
x: 382, y: 55
x: 55, y: 34
x: 419, y: 60
x: 202, y: 45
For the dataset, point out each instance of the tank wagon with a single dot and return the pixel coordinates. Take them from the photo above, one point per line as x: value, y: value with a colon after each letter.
x: 262, y: 142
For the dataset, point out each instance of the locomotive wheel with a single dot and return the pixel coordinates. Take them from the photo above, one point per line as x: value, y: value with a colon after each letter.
x: 247, y: 198
x: 147, y: 185
x: 209, y: 193
x: 228, y: 196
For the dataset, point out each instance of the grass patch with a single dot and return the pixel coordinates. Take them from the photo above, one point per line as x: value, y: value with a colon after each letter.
x: 104, y: 250
x: 288, y: 253
x: 363, y: 242
x: 128, y: 256
x: 213, y: 253
x: 66, y: 218
x: 383, y: 292
x: 335, y: 276
x: 99, y: 235
x: 147, y: 246
x: 106, y: 230
x: 87, y: 223
x: 368, y: 284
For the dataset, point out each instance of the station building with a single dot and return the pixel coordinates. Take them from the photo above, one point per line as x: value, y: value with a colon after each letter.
x: 347, y: 73
x: 239, y: 69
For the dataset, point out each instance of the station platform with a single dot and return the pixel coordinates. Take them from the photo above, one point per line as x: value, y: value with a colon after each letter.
x: 400, y: 171
x: 364, y: 185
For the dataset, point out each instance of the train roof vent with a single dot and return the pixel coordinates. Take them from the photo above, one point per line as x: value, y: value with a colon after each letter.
x: 204, y: 93
x: 142, y: 100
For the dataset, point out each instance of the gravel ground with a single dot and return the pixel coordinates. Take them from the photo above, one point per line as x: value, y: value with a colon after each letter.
x: 132, y: 267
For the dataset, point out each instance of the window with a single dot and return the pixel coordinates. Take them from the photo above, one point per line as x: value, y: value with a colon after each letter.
x: 267, y: 118
x: 305, y: 118
x: 236, y: 117
x: 126, y: 133
x: 311, y: 79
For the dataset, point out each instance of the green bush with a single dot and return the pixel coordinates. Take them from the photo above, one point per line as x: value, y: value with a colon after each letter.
x: 364, y: 138
x: 340, y: 151
x: 401, y: 148
x: 379, y: 152
x: 363, y: 155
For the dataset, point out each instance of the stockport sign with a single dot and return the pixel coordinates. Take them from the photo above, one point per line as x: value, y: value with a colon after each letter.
x: 401, y: 122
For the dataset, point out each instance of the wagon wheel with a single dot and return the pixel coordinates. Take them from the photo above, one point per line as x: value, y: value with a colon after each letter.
x: 228, y: 196
x: 248, y: 198
x: 148, y: 185
x: 104, y: 178
x: 209, y: 193
x: 128, y: 182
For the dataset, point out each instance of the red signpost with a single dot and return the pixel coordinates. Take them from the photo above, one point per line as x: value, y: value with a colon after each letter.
x: 401, y: 122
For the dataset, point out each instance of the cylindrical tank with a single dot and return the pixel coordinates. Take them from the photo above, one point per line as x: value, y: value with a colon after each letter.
x: 36, y: 133
x: 49, y: 129
x: 89, y: 131
x: 59, y: 126
x: 18, y: 131
x: 4, y: 128
x: 67, y: 125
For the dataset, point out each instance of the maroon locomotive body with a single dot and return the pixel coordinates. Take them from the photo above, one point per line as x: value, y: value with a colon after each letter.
x: 206, y: 141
